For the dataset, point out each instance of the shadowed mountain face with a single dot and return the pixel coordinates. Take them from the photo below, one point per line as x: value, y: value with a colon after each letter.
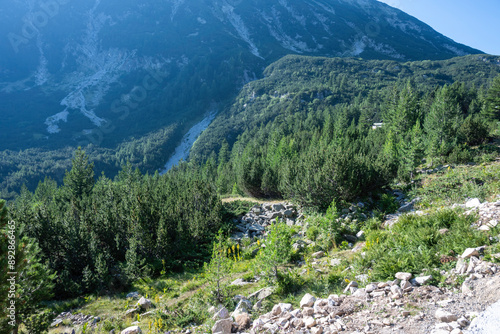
x: 102, y: 71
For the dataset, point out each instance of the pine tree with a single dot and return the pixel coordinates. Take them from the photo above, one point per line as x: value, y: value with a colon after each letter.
x: 21, y: 265
x: 276, y: 252
x: 80, y: 179
x: 412, y: 152
x: 403, y: 111
x: 442, y: 123
x: 493, y: 100
x: 216, y: 272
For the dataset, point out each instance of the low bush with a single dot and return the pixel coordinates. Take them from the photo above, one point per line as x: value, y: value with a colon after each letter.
x: 416, y: 243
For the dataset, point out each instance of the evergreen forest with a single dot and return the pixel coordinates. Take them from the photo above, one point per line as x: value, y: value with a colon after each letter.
x: 314, y: 131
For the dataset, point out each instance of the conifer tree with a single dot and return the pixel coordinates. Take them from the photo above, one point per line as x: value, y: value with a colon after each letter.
x: 26, y: 281
x: 216, y: 272
x: 276, y: 252
x: 403, y: 111
x: 493, y: 100
x: 442, y: 123
x: 80, y: 179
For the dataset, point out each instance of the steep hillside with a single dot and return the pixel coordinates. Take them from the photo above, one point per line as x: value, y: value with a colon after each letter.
x: 103, y: 72
x: 313, y: 83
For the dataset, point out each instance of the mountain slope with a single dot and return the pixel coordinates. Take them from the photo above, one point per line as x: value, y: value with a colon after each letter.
x: 88, y: 64
x: 107, y: 73
x: 297, y: 82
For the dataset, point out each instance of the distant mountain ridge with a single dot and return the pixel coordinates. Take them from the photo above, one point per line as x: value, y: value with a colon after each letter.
x: 105, y: 72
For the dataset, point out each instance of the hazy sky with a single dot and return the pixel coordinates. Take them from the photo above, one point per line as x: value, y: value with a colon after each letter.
x: 475, y: 23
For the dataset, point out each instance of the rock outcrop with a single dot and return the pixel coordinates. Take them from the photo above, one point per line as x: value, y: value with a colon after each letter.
x: 253, y: 224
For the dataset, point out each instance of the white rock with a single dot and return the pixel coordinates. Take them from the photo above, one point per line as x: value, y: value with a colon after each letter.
x: 239, y: 282
x: 134, y: 295
x: 440, y: 331
x: 396, y: 290
x: 223, y: 313
x: 493, y: 223
x: 382, y: 285
x: 463, y: 322
x: 132, y: 330
x: 335, y: 262
x: 444, y: 326
x: 405, y: 284
x: 144, y: 303
x: 286, y: 307
x: 376, y: 294
x: 466, y: 289
x: 370, y: 288
x: 262, y: 293
x: 308, y: 300
x: 360, y: 293
x: 421, y: 280
x: 352, y: 284
x: 316, y: 330
x: 258, y: 323
x: 297, y: 322
x: 445, y: 316
x: 473, y: 203
x: 403, y: 276
x: 309, y: 322
x: 223, y: 326
x: 456, y: 331
x: 318, y: 255
x: 470, y: 252
x: 307, y: 311
x: 276, y: 310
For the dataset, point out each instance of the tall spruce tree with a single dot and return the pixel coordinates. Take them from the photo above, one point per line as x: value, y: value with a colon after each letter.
x: 442, y: 123
x: 493, y: 100
x: 80, y: 179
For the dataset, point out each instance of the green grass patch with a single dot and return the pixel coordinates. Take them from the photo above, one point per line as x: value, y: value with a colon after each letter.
x: 456, y: 185
x: 415, y: 243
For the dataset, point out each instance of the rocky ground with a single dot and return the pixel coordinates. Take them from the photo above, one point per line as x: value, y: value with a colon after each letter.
x: 399, y: 306
x: 403, y: 305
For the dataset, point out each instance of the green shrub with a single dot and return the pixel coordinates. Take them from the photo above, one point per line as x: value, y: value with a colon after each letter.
x: 414, y: 243
x: 289, y: 283
x: 387, y: 204
x: 312, y: 233
x: 473, y: 131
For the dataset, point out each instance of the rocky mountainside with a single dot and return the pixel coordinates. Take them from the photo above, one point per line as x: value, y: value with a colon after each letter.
x: 101, y: 71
